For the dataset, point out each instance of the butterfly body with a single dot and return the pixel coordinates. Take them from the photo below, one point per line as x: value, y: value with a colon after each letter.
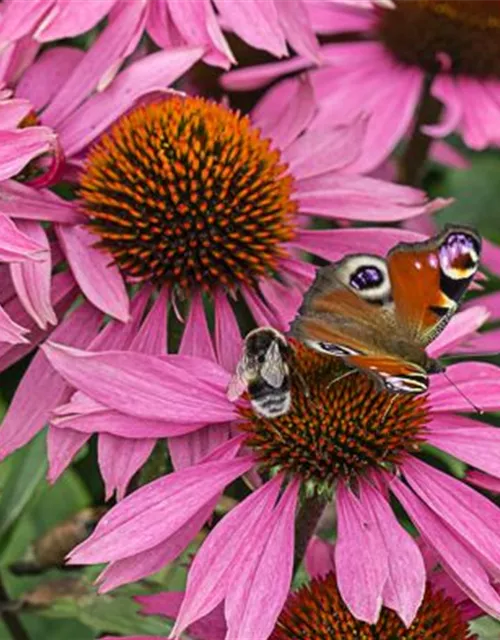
x: 379, y: 315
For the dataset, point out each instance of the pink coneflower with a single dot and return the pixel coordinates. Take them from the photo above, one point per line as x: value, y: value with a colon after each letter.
x: 169, y: 24
x: 191, y: 198
x: 383, y: 70
x: 345, y: 440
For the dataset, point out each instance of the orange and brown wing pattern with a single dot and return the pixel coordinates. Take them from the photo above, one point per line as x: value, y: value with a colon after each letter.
x: 428, y: 279
x: 395, y: 374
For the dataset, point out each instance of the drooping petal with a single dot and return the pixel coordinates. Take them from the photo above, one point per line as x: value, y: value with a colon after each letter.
x: 258, y: 588
x: 61, y: 448
x: 479, y: 382
x: 41, y: 388
x: 157, y: 510
x: 152, y: 335
x: 192, y: 445
x: 99, y: 280
x: 462, y: 325
x: 208, y: 578
x: 319, y: 558
x: 211, y: 627
x: 119, y: 459
x: 361, y: 557
x: 227, y: 333
x: 297, y: 28
x: 32, y: 279
x: 468, y: 514
x: 21, y: 201
x: 404, y: 590
x: 152, y: 560
x: 483, y: 480
x: 17, y: 246
x: 73, y: 18
x: 256, y: 22
x: 10, y: 331
x: 454, y: 555
x: 468, y: 440
x: 19, y: 147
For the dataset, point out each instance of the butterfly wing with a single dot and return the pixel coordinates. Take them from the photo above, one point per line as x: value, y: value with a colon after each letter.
x: 428, y: 280
x: 346, y: 308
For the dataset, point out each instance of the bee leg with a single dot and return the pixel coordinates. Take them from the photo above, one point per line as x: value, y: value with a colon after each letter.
x: 343, y: 375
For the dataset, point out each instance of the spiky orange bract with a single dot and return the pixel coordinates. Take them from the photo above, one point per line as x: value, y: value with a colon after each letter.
x: 187, y: 192
x: 468, y: 31
x: 335, y: 427
x: 317, y: 612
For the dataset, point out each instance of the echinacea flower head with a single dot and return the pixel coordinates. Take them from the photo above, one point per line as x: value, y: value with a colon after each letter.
x: 185, y: 203
x: 381, y: 64
x: 343, y: 439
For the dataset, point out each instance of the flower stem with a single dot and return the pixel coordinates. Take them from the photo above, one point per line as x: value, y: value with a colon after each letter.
x: 10, y: 617
x: 308, y: 517
x: 413, y: 160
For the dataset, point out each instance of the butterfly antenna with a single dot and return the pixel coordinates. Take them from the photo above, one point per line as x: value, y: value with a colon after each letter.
x: 388, y: 408
x: 344, y: 375
x: 468, y: 400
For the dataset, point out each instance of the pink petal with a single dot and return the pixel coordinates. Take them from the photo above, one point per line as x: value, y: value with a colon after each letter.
x: 483, y: 481
x: 255, y: 22
x: 361, y: 198
x: 262, y: 315
x: 141, y: 385
x: 45, y: 77
x: 480, y: 100
x: 12, y: 110
x: 159, y: 509
x: 196, y: 339
x: 21, y: 201
x: 62, y: 446
x: 17, y: 20
x: 469, y: 515
x: 187, y: 448
x: 455, y: 556
x: 73, y: 18
x: 227, y: 333
x: 19, y: 147
x: 10, y: 331
x: 404, y: 590
x: 284, y: 124
x: 334, y: 244
x: 444, y: 89
x: 478, y: 381
x: 63, y: 294
x: 119, y: 459
x: 360, y: 557
x: 211, y: 627
x: 468, y: 440
x: 461, y: 326
x: 296, y: 25
x: 283, y: 300
x: 318, y: 560
x: 109, y: 47
x: 41, y: 388
x: 259, y: 585
x: 160, y: 26
x: 197, y: 23
x: 100, y: 281
x: 491, y: 302
x: 491, y: 256
x: 257, y: 76
x: 318, y: 152
x: 32, y: 279
x: 16, y: 245
x: 152, y: 336
x: 154, y: 71
x: 144, y: 564
x: 232, y: 538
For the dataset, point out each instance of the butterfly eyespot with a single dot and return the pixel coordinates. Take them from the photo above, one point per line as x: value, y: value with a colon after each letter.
x: 367, y: 277
x: 459, y: 255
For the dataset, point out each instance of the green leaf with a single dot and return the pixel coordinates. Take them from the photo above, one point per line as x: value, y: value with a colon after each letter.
x: 111, y: 614
x: 486, y: 628
x: 27, y: 470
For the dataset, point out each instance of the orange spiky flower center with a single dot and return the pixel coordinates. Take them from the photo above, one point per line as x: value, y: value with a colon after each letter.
x: 187, y: 192
x: 418, y: 32
x: 337, y: 426
x: 317, y: 612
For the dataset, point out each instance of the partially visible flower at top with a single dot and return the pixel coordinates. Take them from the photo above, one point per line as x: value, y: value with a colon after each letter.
x: 317, y: 611
x: 188, y: 196
x: 345, y: 439
x: 382, y: 71
x: 169, y: 23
